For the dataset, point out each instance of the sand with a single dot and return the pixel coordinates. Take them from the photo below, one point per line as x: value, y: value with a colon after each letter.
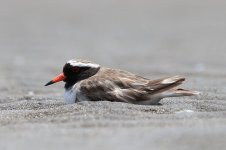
x: 150, y: 38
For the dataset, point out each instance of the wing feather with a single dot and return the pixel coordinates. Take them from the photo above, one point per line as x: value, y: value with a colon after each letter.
x: 118, y: 85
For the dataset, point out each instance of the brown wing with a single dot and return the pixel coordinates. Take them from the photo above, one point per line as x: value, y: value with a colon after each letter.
x: 118, y: 85
x: 115, y: 85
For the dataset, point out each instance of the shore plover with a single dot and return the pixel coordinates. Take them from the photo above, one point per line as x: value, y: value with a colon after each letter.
x: 87, y: 81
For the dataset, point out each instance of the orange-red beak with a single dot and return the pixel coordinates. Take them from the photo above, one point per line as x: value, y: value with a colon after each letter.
x: 58, y: 78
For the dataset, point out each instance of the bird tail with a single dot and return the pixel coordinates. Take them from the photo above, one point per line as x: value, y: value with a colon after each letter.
x: 181, y: 92
x: 165, y: 84
x: 167, y: 87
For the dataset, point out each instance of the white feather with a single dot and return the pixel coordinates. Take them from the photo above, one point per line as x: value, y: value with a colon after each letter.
x: 81, y: 64
x: 69, y: 96
x: 74, y: 94
x: 171, y: 80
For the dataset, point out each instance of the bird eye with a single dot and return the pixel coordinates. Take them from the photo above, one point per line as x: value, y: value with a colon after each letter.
x: 75, y: 69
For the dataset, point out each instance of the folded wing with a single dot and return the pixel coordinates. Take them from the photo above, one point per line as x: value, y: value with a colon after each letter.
x: 117, y: 85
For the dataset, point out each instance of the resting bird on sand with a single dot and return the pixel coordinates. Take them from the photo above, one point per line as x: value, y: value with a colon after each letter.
x: 87, y: 81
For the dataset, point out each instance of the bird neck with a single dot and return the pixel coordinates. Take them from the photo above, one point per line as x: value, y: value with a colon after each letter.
x: 68, y: 85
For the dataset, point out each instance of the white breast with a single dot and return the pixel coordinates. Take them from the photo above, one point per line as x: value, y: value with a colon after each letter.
x: 70, y: 96
x: 73, y: 95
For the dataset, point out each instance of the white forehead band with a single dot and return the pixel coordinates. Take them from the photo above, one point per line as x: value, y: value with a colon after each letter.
x: 80, y: 64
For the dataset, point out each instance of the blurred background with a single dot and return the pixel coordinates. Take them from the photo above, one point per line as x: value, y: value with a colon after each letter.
x: 147, y: 37
x: 152, y: 38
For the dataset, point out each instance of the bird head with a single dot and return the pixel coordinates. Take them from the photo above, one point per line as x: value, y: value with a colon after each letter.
x: 74, y: 71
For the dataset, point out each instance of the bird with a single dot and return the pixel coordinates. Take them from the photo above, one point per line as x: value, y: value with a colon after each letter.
x: 88, y: 81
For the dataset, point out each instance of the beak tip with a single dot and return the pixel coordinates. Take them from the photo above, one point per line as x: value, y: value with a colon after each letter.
x: 58, y: 78
x: 49, y: 83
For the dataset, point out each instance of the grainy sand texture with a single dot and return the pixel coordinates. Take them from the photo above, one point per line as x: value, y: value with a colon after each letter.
x: 155, y: 38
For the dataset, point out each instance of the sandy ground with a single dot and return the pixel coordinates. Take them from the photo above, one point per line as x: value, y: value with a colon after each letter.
x: 151, y: 38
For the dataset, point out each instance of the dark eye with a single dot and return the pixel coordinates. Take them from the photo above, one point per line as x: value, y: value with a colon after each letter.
x: 75, y: 69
